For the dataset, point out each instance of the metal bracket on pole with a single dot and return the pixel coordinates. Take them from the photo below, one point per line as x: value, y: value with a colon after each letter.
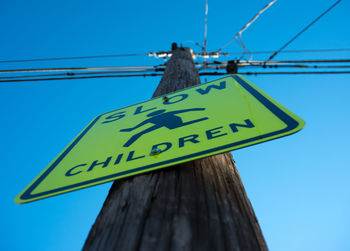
x: 232, y: 66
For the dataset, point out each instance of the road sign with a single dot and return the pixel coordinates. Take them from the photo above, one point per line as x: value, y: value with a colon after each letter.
x: 196, y: 122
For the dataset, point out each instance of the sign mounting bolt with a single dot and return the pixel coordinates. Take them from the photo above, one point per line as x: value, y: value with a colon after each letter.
x: 155, y: 151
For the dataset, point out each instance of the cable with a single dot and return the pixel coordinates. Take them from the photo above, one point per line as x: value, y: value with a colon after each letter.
x: 146, y: 54
x: 205, y: 26
x: 290, y: 51
x: 283, y: 66
x: 81, y: 69
x: 276, y: 73
x: 307, y: 27
x: 157, y: 74
x: 216, y: 54
x: 295, y: 72
x: 77, y: 74
x: 157, y: 70
x: 71, y: 58
x: 309, y: 61
x: 204, y: 65
x: 303, y: 66
x: 239, y: 40
x: 261, y: 62
x: 248, y: 24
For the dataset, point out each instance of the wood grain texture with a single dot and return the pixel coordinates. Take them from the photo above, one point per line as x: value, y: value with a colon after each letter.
x: 198, y: 205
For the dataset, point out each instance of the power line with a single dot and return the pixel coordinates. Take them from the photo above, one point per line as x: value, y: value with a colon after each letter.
x: 150, y: 70
x: 71, y: 58
x: 238, y: 34
x: 77, y: 74
x: 158, y: 74
x: 276, y: 73
x: 134, y: 69
x: 295, y: 72
x: 214, y: 54
x: 205, y: 25
x: 303, y: 66
x: 261, y: 62
x: 284, y: 66
x: 290, y: 51
x: 302, y: 31
x: 308, y: 61
x: 124, y: 68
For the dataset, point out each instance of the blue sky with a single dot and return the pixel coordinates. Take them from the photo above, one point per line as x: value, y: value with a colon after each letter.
x: 298, y: 185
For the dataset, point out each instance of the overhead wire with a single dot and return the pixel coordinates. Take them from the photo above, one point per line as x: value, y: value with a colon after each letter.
x: 262, y: 62
x: 290, y: 51
x: 157, y: 74
x: 295, y: 72
x: 71, y: 58
x: 124, y: 71
x: 303, y: 30
x: 301, y: 66
x: 147, y: 54
x: 150, y: 70
x: 239, y: 39
x: 79, y: 71
x: 308, y: 61
x: 215, y: 54
x: 277, y: 73
x: 284, y: 66
x: 245, y: 49
x: 204, y: 53
x: 124, y: 68
x: 247, y: 25
x: 76, y: 74
x: 205, y: 25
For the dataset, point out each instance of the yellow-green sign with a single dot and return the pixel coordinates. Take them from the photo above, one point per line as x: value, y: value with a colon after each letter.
x: 196, y: 122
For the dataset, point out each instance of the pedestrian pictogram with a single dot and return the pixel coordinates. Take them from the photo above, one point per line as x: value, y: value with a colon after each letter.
x: 161, y: 118
x: 196, y: 122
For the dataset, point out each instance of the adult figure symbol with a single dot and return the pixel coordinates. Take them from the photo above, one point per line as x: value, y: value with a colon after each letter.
x: 161, y: 118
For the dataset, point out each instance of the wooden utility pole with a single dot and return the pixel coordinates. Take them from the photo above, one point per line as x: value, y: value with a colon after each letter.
x: 198, y: 205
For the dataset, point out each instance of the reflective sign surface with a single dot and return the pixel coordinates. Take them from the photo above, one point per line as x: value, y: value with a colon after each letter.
x: 196, y: 122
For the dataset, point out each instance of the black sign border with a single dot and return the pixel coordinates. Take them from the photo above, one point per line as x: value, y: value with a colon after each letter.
x: 283, y: 116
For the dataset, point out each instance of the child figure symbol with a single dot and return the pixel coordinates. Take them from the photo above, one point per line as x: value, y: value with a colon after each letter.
x: 161, y: 118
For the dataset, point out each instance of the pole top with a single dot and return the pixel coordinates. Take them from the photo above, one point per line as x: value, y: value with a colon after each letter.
x: 174, y: 46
